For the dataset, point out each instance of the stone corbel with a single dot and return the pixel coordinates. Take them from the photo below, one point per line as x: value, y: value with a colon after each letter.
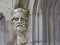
x: 20, y: 22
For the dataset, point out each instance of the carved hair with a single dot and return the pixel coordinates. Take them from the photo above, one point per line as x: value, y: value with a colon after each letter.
x: 19, y: 10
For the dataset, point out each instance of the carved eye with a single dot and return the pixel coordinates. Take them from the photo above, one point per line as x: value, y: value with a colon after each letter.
x: 16, y: 19
x: 22, y: 19
x: 12, y: 19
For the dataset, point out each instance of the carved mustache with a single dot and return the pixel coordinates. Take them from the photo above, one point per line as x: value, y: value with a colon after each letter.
x: 19, y: 24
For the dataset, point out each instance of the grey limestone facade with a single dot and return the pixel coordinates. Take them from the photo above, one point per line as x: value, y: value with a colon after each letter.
x: 44, y: 20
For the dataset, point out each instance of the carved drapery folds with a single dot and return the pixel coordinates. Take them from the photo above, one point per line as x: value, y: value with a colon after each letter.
x: 20, y: 22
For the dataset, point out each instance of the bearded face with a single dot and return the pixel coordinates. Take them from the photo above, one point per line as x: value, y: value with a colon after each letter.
x: 19, y: 20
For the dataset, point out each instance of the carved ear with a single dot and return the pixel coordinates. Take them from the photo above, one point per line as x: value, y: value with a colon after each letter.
x: 26, y: 13
x: 12, y: 11
x: 11, y: 20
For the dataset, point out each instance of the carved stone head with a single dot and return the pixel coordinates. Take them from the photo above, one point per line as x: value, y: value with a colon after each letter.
x: 19, y: 19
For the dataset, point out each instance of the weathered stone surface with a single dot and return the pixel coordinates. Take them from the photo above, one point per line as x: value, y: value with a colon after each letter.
x: 44, y: 20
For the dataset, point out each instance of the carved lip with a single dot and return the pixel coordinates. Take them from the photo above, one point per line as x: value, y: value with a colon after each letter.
x: 19, y: 25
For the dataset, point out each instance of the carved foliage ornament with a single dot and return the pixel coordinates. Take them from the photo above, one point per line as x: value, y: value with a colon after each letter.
x: 20, y: 21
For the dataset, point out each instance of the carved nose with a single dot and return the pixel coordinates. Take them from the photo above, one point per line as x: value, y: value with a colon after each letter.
x: 19, y: 20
